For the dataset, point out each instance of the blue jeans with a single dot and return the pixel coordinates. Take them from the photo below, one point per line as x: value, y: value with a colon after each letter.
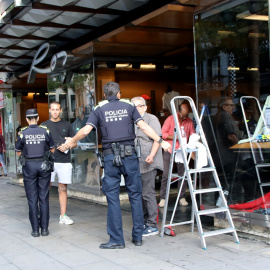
x: 2, y: 161
x: 111, y: 188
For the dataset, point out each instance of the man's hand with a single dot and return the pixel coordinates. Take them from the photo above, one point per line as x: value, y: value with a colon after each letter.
x: 70, y: 142
x: 67, y: 145
x: 166, y: 146
x: 63, y: 147
x: 149, y: 159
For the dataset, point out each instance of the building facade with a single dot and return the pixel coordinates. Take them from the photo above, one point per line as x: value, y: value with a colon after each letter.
x: 215, y: 52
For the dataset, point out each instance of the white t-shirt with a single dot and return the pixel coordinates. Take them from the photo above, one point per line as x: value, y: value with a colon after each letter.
x: 166, y: 99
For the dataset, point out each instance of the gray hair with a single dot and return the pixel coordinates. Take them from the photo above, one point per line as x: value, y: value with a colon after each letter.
x: 111, y: 89
x: 223, y: 101
x: 140, y: 98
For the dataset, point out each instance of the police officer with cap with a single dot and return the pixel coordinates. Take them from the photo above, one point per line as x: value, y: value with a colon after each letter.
x: 33, y: 144
x: 116, y: 118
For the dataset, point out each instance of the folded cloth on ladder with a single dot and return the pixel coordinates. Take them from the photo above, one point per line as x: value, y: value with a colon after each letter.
x: 202, y: 155
x: 192, y: 144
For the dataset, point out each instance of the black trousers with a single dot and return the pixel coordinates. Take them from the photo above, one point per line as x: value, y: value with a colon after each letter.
x: 37, y: 186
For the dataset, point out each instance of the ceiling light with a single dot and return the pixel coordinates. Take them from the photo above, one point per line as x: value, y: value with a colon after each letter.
x: 226, y: 33
x: 257, y: 35
x: 252, y: 69
x: 256, y: 17
x: 122, y: 65
x: 148, y: 66
x: 233, y: 68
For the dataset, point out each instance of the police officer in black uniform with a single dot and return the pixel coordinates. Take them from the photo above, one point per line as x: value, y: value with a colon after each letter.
x: 32, y: 144
x: 116, y: 118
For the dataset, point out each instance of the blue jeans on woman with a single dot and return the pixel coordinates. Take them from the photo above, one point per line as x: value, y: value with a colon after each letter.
x: 2, y: 161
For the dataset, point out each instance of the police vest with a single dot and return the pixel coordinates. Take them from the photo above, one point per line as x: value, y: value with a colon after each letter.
x: 35, y: 141
x: 116, y: 121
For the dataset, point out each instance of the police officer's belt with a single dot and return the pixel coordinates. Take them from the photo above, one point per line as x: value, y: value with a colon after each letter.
x: 34, y: 159
x: 110, y: 151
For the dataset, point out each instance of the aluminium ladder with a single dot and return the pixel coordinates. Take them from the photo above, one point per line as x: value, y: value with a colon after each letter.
x: 192, y: 185
x: 258, y: 164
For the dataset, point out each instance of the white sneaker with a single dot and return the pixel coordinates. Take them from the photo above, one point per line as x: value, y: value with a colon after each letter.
x: 161, y: 203
x: 183, y: 202
x: 65, y: 220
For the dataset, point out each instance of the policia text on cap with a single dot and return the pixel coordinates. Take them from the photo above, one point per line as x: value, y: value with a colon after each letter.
x: 116, y: 118
x: 33, y: 146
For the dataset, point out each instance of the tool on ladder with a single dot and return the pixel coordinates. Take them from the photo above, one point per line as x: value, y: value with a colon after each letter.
x: 186, y: 155
x: 259, y: 162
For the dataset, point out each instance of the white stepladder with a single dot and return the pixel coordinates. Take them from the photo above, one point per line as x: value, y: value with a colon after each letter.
x: 258, y: 159
x: 186, y: 155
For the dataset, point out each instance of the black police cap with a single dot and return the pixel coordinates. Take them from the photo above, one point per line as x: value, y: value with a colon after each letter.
x: 31, y: 113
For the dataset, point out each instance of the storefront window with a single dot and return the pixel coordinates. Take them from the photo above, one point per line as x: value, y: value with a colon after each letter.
x: 77, y: 99
x: 232, y: 61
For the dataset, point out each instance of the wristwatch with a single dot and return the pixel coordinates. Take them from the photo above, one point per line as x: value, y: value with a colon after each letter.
x: 160, y: 140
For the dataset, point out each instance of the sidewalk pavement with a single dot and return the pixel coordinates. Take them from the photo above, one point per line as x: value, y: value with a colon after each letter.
x: 77, y: 246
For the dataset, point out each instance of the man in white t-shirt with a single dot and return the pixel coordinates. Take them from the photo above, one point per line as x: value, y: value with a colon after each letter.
x: 168, y: 96
x: 60, y: 129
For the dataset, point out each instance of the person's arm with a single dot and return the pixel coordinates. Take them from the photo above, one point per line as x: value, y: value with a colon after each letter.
x: 146, y: 129
x: 72, y: 142
x: 166, y: 129
x: 232, y: 138
x: 19, y: 145
x: 71, y: 133
x: 153, y: 152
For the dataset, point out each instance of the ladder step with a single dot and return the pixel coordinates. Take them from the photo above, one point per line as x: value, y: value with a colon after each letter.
x: 265, y: 184
x: 213, y: 210
x: 217, y: 232
x: 206, y: 190
x: 209, y: 169
x: 263, y: 165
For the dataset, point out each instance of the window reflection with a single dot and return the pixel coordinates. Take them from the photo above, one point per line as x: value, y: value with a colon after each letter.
x: 232, y: 59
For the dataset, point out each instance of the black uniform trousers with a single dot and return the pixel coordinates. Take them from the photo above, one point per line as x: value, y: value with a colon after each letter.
x: 37, y: 186
x: 111, y: 188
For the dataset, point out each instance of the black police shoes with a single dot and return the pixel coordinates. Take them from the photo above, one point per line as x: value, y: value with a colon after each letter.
x: 137, y: 242
x: 111, y: 245
x: 44, y: 232
x: 35, y: 233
